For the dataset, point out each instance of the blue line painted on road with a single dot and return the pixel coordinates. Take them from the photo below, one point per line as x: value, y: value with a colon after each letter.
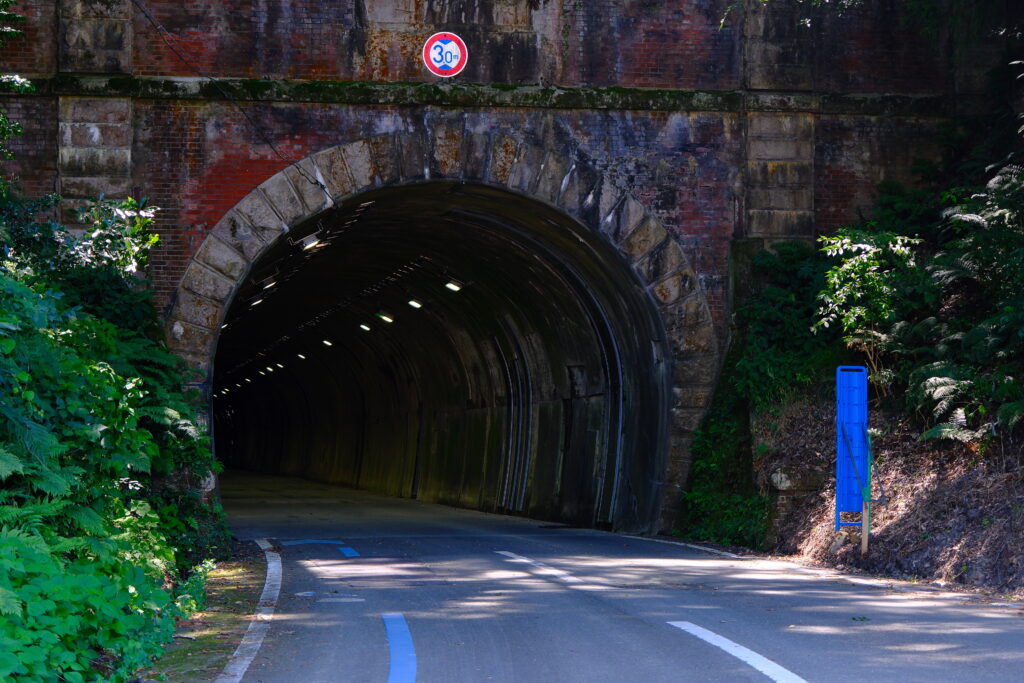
x: 403, y: 654
x: 348, y: 552
x: 307, y: 541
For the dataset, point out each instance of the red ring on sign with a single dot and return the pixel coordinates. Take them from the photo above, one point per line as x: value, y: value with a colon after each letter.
x: 445, y: 54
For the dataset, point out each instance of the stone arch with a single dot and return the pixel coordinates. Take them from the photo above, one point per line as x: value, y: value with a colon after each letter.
x: 566, y: 182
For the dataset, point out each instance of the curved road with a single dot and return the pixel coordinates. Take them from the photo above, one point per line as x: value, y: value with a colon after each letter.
x: 382, y: 589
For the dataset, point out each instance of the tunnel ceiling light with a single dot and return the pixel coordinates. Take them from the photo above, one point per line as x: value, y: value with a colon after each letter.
x: 327, y: 342
x: 301, y: 356
x: 270, y: 369
x: 263, y: 373
x: 248, y: 380
x: 453, y: 285
x: 270, y: 284
x: 224, y: 326
x: 415, y: 304
x: 364, y: 327
x: 238, y: 385
x: 385, y: 317
x: 257, y: 302
x: 310, y: 241
x: 279, y: 365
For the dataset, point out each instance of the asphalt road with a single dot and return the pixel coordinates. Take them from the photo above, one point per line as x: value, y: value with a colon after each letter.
x: 381, y: 589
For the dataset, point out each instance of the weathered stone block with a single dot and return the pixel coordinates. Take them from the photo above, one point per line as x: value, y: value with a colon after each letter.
x: 645, y: 238
x: 780, y: 173
x: 334, y: 171
x: 695, y: 368
x: 95, y: 135
x: 207, y: 282
x: 310, y: 188
x: 780, y: 150
x: 692, y: 396
x: 526, y: 169
x: 111, y: 188
x: 280, y: 193
x: 790, y: 126
x: 183, y: 336
x: 476, y: 148
x: 503, y: 158
x: 237, y: 232
x: 95, y: 110
x: 258, y: 213
x: 788, y: 199
x: 623, y: 219
x: 387, y: 158
x: 577, y: 189
x: 778, y: 223
x: 680, y: 284
x: 446, y: 152
x: 197, y: 310
x: 552, y: 173
x: 665, y: 260
x: 416, y: 159
x: 77, y: 161
x: 222, y: 258
x: 359, y: 161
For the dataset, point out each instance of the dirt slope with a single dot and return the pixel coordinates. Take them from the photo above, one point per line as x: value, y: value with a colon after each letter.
x: 955, y: 512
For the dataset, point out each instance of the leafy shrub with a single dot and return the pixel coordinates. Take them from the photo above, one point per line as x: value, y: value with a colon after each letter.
x: 100, y: 456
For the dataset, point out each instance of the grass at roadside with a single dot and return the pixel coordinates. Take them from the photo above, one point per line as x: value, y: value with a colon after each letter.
x: 203, y: 644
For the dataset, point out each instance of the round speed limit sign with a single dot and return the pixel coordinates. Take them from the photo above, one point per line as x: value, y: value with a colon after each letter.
x: 445, y: 54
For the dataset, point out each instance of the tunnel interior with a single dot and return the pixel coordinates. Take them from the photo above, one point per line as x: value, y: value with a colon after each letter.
x: 455, y: 343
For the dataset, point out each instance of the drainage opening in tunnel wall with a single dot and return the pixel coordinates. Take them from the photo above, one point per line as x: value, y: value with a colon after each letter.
x: 485, y: 344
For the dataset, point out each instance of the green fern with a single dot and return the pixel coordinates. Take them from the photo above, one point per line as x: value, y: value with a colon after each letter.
x: 9, y: 464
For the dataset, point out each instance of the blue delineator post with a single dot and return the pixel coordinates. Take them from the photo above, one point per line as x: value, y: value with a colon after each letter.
x: 853, y: 453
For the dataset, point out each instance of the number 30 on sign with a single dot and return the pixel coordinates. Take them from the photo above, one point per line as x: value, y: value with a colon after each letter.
x: 445, y: 54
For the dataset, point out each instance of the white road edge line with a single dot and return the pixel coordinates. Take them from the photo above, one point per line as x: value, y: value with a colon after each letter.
x: 546, y: 569
x: 747, y: 656
x: 253, y: 639
x: 689, y: 545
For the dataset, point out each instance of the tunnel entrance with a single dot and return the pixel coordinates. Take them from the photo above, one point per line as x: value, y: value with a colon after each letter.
x: 452, y: 342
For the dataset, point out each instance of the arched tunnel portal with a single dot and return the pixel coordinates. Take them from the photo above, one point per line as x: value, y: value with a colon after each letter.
x: 517, y: 335
x: 452, y: 342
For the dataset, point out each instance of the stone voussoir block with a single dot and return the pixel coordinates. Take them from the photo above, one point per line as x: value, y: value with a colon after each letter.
x: 623, y: 219
x: 680, y: 284
x: 502, y: 160
x: 387, y: 154
x: 577, y: 188
x: 222, y: 258
x: 647, y: 236
x: 235, y: 230
x: 206, y: 282
x: 184, y: 336
x: 334, y: 171
x: 661, y: 262
x: 308, y: 183
x: 526, y: 170
x: 552, y: 172
x: 359, y: 161
x: 282, y: 195
x: 197, y: 310
x: 416, y: 161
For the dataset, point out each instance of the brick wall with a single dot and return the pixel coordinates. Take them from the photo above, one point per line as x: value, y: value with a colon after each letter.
x: 787, y: 161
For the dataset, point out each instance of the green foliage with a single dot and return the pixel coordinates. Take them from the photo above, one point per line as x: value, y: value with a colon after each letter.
x: 773, y: 354
x: 944, y: 312
x: 100, y: 456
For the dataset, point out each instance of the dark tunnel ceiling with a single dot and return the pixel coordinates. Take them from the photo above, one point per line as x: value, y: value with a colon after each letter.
x: 548, y: 318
